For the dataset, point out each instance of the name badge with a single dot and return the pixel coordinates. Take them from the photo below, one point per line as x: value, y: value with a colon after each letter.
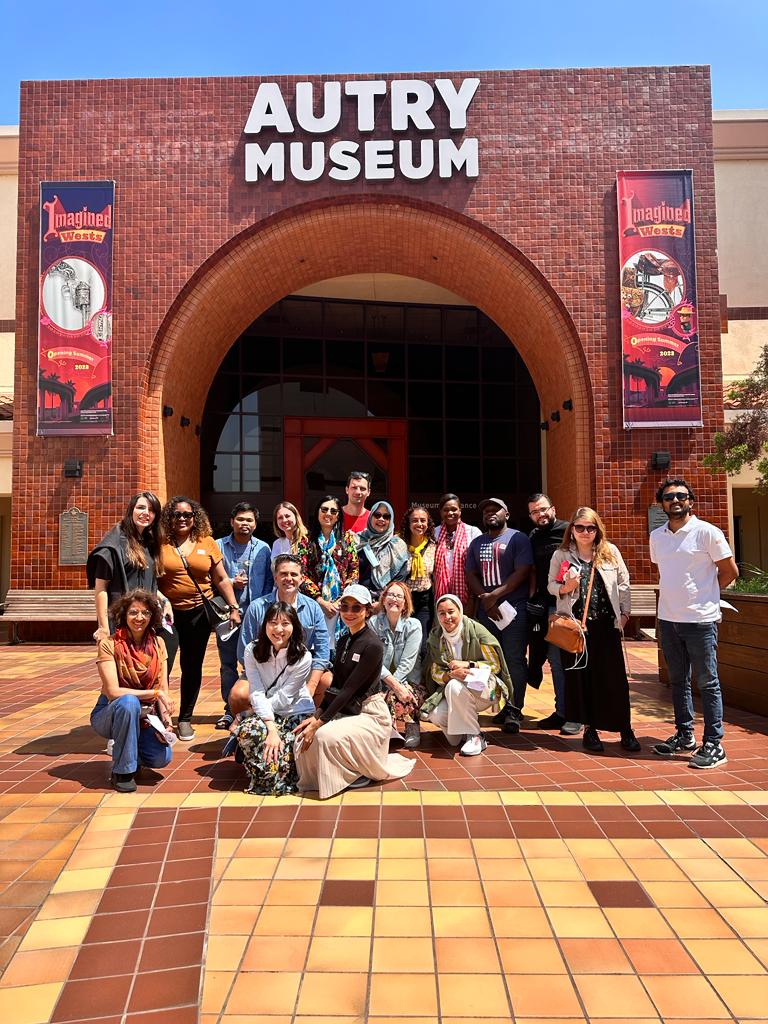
x: 201, y: 551
x: 355, y: 657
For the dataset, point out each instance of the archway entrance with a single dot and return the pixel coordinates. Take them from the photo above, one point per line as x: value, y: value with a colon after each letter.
x: 368, y: 235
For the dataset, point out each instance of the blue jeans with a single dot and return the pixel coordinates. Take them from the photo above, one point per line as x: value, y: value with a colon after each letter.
x: 693, y: 646
x: 118, y: 720
x: 229, y: 670
x: 514, y: 641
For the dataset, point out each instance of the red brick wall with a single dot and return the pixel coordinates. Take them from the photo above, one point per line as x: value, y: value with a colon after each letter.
x: 199, y: 254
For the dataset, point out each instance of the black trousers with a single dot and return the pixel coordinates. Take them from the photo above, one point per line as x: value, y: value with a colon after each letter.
x: 423, y: 610
x: 194, y: 630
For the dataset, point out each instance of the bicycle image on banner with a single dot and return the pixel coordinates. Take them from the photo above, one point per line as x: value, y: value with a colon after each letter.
x: 660, y: 344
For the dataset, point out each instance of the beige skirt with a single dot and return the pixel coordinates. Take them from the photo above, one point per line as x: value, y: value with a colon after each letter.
x: 349, y: 747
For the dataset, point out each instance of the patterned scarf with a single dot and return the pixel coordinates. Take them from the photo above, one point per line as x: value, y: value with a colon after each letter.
x: 418, y: 571
x: 386, y: 553
x: 330, y: 588
x: 138, y: 667
x: 453, y: 581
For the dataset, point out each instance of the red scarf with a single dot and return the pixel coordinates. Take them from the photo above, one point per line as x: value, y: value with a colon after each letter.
x: 138, y: 666
x: 452, y: 582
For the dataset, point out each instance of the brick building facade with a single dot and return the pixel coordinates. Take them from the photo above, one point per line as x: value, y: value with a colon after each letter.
x: 200, y: 253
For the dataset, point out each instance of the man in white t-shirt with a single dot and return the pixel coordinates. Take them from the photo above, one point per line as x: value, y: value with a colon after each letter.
x: 695, y: 564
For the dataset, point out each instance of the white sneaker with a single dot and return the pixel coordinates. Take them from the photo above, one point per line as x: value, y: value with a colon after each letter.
x: 474, y: 745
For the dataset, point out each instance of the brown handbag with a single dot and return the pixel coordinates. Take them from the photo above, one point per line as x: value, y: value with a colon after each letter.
x: 565, y: 631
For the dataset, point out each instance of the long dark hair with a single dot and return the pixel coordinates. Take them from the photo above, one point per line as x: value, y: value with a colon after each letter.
x: 314, y: 527
x: 201, y: 525
x: 405, y: 526
x: 136, y: 542
x: 262, y: 645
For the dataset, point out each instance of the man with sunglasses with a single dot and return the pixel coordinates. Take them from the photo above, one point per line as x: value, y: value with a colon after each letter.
x: 695, y: 563
x: 358, y: 490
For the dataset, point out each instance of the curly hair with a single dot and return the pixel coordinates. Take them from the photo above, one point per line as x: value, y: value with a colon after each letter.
x: 201, y: 525
x: 119, y: 609
x: 405, y: 525
x: 603, y: 552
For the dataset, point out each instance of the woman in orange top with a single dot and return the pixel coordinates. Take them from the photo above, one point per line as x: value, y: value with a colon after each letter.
x: 189, y: 556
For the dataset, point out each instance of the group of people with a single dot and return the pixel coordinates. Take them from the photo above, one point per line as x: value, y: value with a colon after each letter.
x: 348, y: 634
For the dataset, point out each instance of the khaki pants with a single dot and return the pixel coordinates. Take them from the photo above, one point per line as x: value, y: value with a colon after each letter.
x: 457, y: 712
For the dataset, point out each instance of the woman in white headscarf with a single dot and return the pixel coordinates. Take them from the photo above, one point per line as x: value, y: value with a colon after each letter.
x: 466, y: 670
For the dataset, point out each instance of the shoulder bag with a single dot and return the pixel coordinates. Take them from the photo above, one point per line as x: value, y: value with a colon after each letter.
x: 567, y: 632
x: 216, y: 608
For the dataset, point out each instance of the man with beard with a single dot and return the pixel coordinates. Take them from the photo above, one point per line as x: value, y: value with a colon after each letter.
x: 695, y: 564
x: 546, y: 537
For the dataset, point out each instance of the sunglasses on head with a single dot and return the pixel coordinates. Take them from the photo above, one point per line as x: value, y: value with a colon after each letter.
x: 329, y: 510
x: 354, y: 607
x: 581, y: 528
x: 183, y: 515
x: 675, y: 496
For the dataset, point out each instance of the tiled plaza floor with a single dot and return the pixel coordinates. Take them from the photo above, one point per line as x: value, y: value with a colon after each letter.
x: 535, y: 883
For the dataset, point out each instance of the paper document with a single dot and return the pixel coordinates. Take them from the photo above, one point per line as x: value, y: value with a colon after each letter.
x: 506, y: 615
x: 167, y: 735
x: 477, y: 677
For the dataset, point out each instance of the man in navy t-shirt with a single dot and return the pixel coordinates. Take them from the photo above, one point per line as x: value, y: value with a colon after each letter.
x: 497, y: 568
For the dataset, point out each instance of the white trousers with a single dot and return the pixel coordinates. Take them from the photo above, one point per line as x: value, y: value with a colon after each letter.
x: 457, y: 712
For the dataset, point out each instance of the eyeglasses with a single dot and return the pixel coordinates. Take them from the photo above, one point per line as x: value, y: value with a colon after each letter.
x: 394, y: 596
x: 381, y: 515
x: 139, y: 613
x: 581, y: 528
x: 329, y: 510
x: 676, y: 496
x: 183, y: 515
x: 351, y: 608
x: 539, y: 511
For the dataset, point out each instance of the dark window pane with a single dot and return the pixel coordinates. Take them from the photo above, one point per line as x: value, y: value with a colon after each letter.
x: 500, y: 476
x: 462, y: 401
x: 386, y: 398
x: 462, y: 363
x: 224, y: 394
x: 384, y: 323
x: 425, y: 400
x: 226, y: 472
x: 229, y: 438
x: 499, y: 439
x: 302, y: 317
x: 231, y: 361
x: 498, y: 401
x: 345, y: 358
x: 459, y: 326
x: 261, y: 355
x: 385, y: 359
x: 529, y: 475
x: 422, y: 323
x: 425, y: 437
x: 426, y: 475
x: 527, y: 403
x: 261, y: 395
x: 303, y: 356
x: 258, y: 439
x: 463, y: 438
x: 425, y: 362
x: 262, y: 471
x: 500, y: 363
x: 343, y: 320
x: 270, y: 323
x: 463, y: 475
x: 489, y: 332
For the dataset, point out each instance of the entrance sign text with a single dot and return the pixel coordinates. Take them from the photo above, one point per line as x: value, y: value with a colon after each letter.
x: 411, y: 104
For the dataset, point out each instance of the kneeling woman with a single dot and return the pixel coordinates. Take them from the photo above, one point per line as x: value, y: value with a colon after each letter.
x: 346, y: 742
x: 277, y: 666
x: 132, y: 665
x: 460, y: 653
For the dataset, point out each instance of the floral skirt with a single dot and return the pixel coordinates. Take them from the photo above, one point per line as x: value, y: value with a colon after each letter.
x: 277, y: 778
x: 404, y: 711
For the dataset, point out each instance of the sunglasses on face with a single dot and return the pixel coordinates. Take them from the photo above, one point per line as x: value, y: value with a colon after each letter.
x: 183, y: 515
x: 581, y: 528
x: 329, y: 510
x: 381, y: 515
x: 675, y: 496
x: 353, y: 608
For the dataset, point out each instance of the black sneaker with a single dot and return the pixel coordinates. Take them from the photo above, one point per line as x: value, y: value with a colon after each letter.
x: 709, y: 755
x: 553, y: 721
x: 591, y: 741
x: 676, y: 744
x: 123, y: 782
x: 225, y: 721
x: 510, y: 723
x: 630, y: 742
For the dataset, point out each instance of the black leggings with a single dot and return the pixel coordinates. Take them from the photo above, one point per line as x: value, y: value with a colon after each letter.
x: 194, y: 630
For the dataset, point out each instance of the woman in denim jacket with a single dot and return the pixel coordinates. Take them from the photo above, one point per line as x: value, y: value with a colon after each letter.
x: 401, y: 668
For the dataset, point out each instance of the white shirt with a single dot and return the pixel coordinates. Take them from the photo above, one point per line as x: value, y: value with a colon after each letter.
x: 278, y: 689
x: 688, y: 587
x: 472, y: 532
x: 280, y: 546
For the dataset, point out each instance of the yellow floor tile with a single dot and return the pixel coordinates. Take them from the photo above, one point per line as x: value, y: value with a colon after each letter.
x: 461, y: 995
x: 67, y: 931
x: 401, y: 848
x: 32, y: 1004
x: 452, y: 869
x: 259, y: 848
x: 650, y: 870
x: 675, y: 894
x: 458, y: 922
x: 459, y: 956
x: 613, y: 995
x: 276, y: 953
x: 638, y: 923
x: 531, y: 956
x: 402, y: 955
x: 390, y: 993
x: 224, y: 952
x: 509, y: 849
x: 730, y: 894
x: 344, y: 921
x: 596, y: 956
x: 554, y: 869
x: 280, y: 921
x: 353, y: 868
x: 676, y: 995
x: 520, y: 922
x: 744, y: 997
x: 448, y: 848
x: 251, y: 867
x: 698, y: 924
x: 307, y: 848
x: 511, y: 894
x: 515, y: 870
x: 707, y: 869
x: 645, y: 849
x: 455, y: 893
x: 760, y: 948
x: 301, y: 867
x: 606, y: 869
x: 748, y: 922
x: 234, y: 920
x: 542, y: 995
x: 70, y: 904
x: 402, y: 894
x: 542, y: 848
x: 357, y: 848
x: 733, y: 848
x: 337, y: 995
x: 566, y: 894
x: 241, y: 892
x: 407, y: 869
x: 592, y: 849
x: 581, y: 923
x: 290, y: 893
x: 723, y: 956
x: 39, y: 967
x: 330, y: 953
x: 271, y: 993
x: 82, y: 880
x: 751, y: 868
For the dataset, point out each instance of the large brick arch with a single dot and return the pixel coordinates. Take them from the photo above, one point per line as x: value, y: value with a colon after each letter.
x: 366, y: 235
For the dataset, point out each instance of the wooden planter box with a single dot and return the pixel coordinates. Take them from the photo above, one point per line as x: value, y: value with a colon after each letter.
x: 742, y: 653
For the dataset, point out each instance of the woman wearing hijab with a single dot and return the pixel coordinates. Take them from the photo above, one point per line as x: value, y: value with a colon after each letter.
x: 328, y: 561
x: 383, y: 555
x: 453, y: 538
x: 466, y: 670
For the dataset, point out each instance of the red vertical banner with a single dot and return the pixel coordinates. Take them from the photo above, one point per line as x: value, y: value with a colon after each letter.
x: 659, y: 312
x: 74, y: 381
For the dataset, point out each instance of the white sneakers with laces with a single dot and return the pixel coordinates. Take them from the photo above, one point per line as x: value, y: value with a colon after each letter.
x: 473, y: 745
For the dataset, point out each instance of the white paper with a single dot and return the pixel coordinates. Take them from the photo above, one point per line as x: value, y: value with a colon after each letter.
x: 507, y: 614
x: 729, y: 606
x: 477, y: 677
x: 168, y: 735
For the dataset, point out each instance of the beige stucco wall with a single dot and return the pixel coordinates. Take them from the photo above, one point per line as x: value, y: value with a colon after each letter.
x: 9, y: 162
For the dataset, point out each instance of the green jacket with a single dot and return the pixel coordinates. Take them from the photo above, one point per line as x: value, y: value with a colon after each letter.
x: 477, y: 644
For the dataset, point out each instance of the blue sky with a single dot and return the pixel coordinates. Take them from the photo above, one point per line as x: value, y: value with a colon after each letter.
x: 47, y: 40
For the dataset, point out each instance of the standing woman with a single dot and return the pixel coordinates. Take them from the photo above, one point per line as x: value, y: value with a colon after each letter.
x: 328, y: 561
x: 383, y: 555
x: 401, y: 668
x: 418, y: 532
x: 597, y: 693
x: 277, y: 666
x: 288, y: 528
x: 191, y: 562
x: 453, y: 538
x: 346, y: 742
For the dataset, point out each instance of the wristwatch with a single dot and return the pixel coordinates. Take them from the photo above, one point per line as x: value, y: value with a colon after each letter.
x: 234, y: 607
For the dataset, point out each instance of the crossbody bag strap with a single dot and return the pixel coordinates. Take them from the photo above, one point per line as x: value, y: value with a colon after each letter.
x: 185, y: 563
x: 589, y: 594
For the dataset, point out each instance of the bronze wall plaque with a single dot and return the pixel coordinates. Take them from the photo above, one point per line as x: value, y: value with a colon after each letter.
x: 73, y: 537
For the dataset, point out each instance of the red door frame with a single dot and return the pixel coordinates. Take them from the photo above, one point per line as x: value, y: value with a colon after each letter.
x: 364, y: 433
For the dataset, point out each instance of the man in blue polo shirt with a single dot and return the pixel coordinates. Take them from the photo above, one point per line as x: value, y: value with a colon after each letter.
x: 247, y: 563
x: 497, y: 568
